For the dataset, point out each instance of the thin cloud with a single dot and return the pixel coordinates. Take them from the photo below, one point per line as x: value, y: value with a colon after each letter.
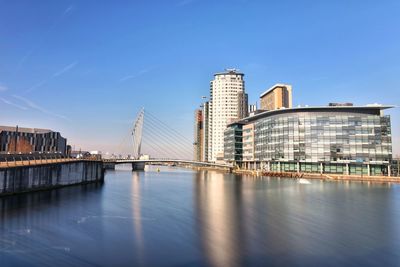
x: 68, y: 9
x: 3, y: 88
x: 33, y: 105
x: 42, y: 40
x: 56, y: 74
x: 12, y: 104
x: 40, y: 84
x: 65, y: 69
x: 129, y: 77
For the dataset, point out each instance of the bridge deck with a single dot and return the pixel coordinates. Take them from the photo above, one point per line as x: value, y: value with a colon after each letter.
x: 179, y: 161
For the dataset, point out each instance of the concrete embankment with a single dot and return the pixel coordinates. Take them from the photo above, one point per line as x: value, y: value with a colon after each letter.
x: 20, y: 179
x: 330, y: 177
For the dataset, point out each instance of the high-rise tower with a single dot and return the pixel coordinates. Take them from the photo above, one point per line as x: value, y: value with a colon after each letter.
x: 228, y: 102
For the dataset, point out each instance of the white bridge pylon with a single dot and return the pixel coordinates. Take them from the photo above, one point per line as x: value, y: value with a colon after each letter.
x: 158, y: 139
x: 137, y: 134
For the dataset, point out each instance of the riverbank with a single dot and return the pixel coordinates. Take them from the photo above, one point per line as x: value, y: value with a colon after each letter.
x: 329, y: 177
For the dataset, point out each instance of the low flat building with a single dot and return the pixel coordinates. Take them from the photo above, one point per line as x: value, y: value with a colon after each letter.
x: 19, y: 140
x: 332, y: 139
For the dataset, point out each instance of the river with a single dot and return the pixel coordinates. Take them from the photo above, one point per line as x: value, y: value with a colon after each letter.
x: 180, y: 217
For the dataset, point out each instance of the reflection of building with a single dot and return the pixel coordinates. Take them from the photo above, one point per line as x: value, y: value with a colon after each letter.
x: 228, y: 102
x: 277, y: 97
x: 334, y: 139
x: 220, y: 218
x: 31, y: 140
x: 198, y: 135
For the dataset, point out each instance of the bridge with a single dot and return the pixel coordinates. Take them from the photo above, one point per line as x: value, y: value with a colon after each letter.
x: 151, y: 136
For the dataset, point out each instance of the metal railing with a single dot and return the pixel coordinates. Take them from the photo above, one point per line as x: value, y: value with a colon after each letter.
x: 15, y: 161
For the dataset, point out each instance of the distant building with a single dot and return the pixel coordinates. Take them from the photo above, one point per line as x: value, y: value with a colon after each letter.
x: 228, y: 102
x: 252, y: 108
x: 198, y: 144
x: 340, y: 104
x: 80, y: 154
x: 277, y: 97
x: 332, y: 139
x: 18, y: 140
x: 206, y: 117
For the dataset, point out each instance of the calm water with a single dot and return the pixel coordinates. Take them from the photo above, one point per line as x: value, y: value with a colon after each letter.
x: 179, y: 217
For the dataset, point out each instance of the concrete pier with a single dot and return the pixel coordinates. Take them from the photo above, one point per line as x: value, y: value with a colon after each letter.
x: 29, y: 178
x: 138, y: 166
x: 109, y: 165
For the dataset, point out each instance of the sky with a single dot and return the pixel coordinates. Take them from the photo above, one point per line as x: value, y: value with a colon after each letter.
x: 86, y: 68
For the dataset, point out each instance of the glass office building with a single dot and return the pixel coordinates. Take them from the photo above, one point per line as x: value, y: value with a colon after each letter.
x: 233, y: 145
x: 334, y: 139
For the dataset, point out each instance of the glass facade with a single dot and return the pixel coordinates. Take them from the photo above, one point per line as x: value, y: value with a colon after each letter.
x: 324, y: 137
x: 233, y: 143
x: 351, y: 140
x: 248, y: 142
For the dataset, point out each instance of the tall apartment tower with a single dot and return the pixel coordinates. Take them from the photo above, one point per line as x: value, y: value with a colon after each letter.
x: 228, y: 102
x: 277, y: 97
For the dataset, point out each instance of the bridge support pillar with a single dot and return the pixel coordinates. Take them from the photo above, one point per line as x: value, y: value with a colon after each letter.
x: 138, y: 166
x: 108, y: 165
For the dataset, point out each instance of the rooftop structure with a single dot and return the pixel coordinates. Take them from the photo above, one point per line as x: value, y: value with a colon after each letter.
x: 277, y: 97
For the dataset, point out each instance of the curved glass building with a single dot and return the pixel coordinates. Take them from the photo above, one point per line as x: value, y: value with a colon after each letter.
x: 332, y: 139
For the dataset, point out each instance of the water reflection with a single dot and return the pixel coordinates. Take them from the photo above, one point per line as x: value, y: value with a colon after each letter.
x: 137, y: 215
x: 244, y: 220
x: 26, y: 233
x: 218, y: 217
x: 184, y: 218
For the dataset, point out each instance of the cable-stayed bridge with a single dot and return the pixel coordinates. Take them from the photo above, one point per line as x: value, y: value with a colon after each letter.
x: 153, y: 141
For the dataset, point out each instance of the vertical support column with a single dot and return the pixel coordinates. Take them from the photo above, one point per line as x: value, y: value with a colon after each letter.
x: 279, y: 166
x: 138, y: 166
x: 369, y: 169
x: 347, y: 169
x: 298, y: 167
x: 321, y: 168
x: 269, y: 166
x: 389, y: 171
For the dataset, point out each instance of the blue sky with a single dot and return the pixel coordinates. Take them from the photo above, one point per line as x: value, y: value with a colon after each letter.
x: 85, y: 68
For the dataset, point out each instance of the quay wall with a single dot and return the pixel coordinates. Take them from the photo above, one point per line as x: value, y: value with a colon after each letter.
x: 327, y: 177
x: 20, y: 179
